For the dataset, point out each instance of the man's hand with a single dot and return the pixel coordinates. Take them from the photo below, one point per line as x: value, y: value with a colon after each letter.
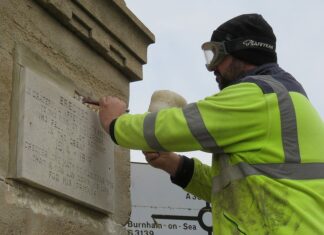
x: 110, y: 109
x: 167, y: 161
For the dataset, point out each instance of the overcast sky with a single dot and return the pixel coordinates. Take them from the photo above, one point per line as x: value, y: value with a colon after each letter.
x: 176, y: 61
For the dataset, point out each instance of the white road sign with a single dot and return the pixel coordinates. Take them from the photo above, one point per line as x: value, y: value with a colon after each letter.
x: 161, y: 208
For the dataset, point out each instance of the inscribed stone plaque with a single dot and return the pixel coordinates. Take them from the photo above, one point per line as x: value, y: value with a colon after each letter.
x: 62, y: 147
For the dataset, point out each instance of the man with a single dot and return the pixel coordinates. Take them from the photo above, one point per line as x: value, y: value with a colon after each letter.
x: 267, y: 173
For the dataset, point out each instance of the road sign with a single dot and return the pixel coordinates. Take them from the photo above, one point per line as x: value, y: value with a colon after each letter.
x: 161, y: 208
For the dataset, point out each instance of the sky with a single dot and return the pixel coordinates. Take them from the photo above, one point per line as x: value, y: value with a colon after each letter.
x: 176, y: 61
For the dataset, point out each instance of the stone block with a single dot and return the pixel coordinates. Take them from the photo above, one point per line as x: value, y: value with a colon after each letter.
x: 31, y: 212
x: 97, y: 47
x: 6, y: 64
x: 60, y: 145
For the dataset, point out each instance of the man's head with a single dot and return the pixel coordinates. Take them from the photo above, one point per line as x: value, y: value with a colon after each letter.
x: 242, y: 43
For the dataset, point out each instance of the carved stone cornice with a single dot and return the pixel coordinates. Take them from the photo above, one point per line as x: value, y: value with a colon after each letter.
x: 109, y: 28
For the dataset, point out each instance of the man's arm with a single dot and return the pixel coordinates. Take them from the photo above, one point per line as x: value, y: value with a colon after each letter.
x: 167, y: 161
x: 183, y: 173
x: 179, y: 167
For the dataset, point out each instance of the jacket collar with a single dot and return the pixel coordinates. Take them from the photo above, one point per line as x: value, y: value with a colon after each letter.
x: 264, y: 69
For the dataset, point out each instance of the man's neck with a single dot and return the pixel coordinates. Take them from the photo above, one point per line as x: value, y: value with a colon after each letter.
x: 249, y: 67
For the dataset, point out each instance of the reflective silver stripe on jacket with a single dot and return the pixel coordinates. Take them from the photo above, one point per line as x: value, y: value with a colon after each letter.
x: 292, y: 168
x: 149, y: 132
x: 199, y: 130
x: 294, y: 171
x: 288, y: 119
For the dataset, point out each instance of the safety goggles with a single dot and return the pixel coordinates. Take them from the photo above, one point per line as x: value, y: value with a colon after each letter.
x: 214, y: 54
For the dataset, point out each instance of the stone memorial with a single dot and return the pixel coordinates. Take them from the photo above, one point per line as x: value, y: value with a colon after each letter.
x: 61, y: 144
x: 60, y: 173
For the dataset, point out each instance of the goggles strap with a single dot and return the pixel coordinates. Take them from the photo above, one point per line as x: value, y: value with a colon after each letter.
x: 250, y: 43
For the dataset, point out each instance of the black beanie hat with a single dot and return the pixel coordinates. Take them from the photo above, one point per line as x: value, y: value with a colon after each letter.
x: 252, y: 28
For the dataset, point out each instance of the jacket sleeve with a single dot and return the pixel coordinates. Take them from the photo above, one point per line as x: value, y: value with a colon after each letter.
x: 236, y: 118
x: 194, y: 177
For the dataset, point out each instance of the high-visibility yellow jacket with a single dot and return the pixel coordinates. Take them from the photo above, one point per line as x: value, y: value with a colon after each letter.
x: 267, y: 140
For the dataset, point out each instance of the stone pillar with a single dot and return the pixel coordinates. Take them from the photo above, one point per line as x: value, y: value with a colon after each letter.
x: 59, y: 173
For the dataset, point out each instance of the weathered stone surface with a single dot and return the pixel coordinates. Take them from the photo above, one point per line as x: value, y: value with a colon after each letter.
x: 120, y: 40
x: 61, y: 146
x: 27, y: 211
x: 123, y: 208
x: 94, y: 52
x: 6, y: 63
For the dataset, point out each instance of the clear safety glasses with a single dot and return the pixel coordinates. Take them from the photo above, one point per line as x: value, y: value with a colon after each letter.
x: 214, y: 54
